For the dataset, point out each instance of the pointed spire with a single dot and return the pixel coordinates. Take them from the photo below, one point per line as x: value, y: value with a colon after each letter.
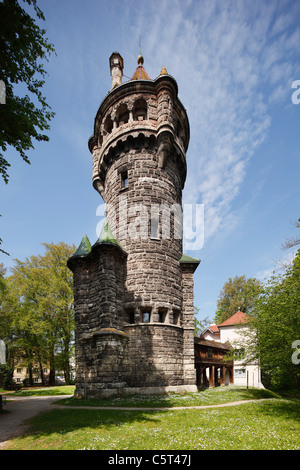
x: 140, y: 73
x: 84, y: 247
x: 83, y: 250
x: 163, y: 71
x: 106, y: 236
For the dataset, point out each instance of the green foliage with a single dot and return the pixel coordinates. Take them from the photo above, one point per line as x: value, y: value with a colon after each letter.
x: 277, y: 326
x: 46, y: 391
x: 2, y: 280
x: 23, y: 49
x: 228, y: 427
x: 6, y: 377
x: 200, y: 325
x: 36, y: 315
x: 238, y: 293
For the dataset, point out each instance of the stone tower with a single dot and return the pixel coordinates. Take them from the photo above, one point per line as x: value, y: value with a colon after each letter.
x: 133, y: 289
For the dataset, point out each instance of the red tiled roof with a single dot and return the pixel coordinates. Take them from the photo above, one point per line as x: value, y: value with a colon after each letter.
x: 238, y: 317
x: 140, y: 74
x: 214, y: 328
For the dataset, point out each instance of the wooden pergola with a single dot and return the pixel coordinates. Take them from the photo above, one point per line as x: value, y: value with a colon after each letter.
x: 210, y: 356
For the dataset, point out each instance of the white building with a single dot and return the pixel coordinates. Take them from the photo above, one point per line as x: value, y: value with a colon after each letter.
x: 231, y: 331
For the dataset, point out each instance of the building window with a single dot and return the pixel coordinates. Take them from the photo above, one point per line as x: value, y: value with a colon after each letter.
x: 176, y: 317
x: 162, y: 315
x: 239, y: 354
x: 124, y: 179
x: 108, y: 125
x: 240, y: 373
x: 130, y: 315
x: 146, y: 316
x: 122, y: 115
x: 154, y: 224
x: 140, y: 110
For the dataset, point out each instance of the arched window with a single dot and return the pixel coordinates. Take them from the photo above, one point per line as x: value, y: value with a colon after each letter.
x: 122, y: 115
x: 108, y: 124
x: 140, y: 110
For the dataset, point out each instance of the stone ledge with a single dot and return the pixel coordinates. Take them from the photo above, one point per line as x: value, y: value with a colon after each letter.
x: 110, y: 392
x: 163, y: 325
x: 104, y: 332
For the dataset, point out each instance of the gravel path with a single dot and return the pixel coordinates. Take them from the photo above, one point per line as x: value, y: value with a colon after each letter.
x: 20, y: 409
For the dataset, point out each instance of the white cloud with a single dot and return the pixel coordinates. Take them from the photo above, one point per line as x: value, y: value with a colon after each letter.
x: 277, y: 266
x: 231, y: 60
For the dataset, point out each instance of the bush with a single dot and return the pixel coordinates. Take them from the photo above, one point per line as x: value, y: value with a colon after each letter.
x: 6, y: 377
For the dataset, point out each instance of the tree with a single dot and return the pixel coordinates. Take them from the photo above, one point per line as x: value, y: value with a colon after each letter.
x: 37, y: 314
x: 23, y: 48
x: 2, y: 279
x: 276, y: 324
x: 291, y: 242
x: 238, y: 293
x: 200, y: 325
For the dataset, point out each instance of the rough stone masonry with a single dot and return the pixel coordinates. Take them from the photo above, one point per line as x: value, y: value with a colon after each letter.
x: 133, y: 289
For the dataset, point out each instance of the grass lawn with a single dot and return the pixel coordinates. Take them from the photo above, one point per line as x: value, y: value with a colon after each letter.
x: 265, y: 424
x: 44, y: 391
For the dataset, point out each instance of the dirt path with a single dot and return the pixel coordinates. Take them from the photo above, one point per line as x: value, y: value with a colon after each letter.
x: 165, y: 408
x: 22, y: 408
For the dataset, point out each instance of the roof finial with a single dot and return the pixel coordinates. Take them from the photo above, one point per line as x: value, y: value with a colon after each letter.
x: 140, y: 59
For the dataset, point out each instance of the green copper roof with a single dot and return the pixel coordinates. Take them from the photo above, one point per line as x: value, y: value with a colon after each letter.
x: 106, y: 236
x: 187, y: 259
x: 84, y: 247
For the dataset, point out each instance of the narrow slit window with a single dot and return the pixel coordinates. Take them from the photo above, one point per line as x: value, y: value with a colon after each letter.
x: 124, y: 179
x: 154, y: 222
x: 154, y: 228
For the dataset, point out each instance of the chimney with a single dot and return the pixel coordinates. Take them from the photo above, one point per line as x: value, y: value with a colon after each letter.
x: 116, y: 69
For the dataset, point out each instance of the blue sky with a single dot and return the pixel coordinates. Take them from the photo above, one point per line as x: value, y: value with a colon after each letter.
x: 234, y: 62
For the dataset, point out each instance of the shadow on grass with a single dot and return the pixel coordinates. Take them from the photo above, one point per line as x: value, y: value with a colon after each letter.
x: 204, y: 396
x: 76, y: 428
x: 244, y: 393
x: 82, y: 428
x: 285, y: 409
